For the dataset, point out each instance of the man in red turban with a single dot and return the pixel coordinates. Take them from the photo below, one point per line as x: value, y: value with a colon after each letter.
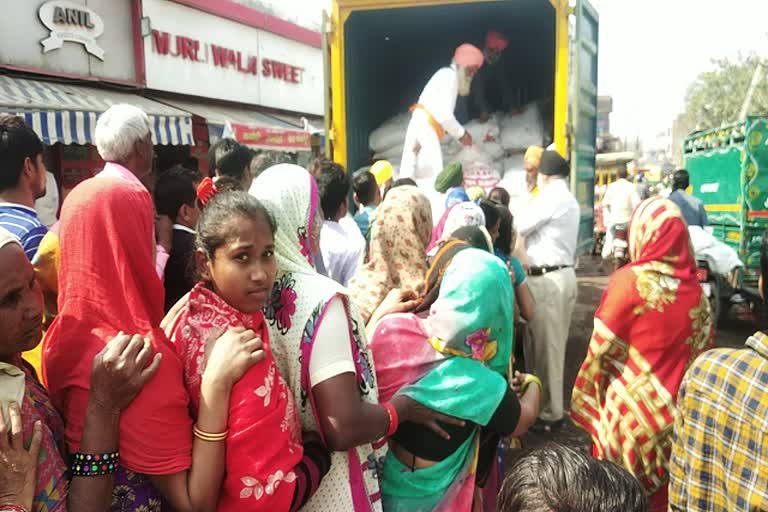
x: 493, y: 80
x: 433, y: 116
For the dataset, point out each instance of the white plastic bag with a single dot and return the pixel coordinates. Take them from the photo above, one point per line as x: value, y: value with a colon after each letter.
x: 484, y: 132
x: 390, y: 134
x: 394, y: 153
x: 478, y: 168
x: 522, y: 130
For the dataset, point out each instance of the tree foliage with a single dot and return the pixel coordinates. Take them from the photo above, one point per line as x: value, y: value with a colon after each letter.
x: 716, y: 97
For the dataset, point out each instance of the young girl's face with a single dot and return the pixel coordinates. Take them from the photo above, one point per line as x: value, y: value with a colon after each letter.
x: 243, y: 269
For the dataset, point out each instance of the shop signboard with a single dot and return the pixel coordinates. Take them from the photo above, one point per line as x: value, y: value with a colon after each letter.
x: 74, y: 38
x: 271, y: 138
x: 200, y: 54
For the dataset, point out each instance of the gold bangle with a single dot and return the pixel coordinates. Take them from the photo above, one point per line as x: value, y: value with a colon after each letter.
x: 208, y: 436
x: 531, y: 379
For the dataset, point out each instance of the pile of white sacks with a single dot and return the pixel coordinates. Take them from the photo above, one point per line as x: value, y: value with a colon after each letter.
x: 495, y: 157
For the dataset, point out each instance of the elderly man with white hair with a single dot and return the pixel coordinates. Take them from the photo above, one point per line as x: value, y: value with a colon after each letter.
x: 124, y: 141
x: 432, y: 117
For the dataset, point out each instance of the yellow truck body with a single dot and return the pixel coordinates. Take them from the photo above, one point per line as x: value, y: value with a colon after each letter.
x: 380, y: 53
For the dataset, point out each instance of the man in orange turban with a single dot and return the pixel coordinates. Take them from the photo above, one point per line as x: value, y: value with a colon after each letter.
x: 493, y: 80
x: 433, y: 116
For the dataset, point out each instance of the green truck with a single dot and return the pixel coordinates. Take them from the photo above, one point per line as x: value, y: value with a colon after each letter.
x: 729, y: 173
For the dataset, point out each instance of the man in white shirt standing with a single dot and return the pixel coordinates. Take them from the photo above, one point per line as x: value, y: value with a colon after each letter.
x: 550, y: 226
x: 341, y: 247
x: 433, y: 116
x: 619, y: 202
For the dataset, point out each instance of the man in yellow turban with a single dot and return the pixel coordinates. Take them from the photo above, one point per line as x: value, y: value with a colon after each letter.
x: 531, y: 163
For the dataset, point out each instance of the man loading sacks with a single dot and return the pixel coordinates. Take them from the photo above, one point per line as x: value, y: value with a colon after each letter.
x: 433, y: 115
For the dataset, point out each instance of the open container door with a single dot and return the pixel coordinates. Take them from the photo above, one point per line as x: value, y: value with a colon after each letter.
x: 327, y: 93
x: 584, y: 119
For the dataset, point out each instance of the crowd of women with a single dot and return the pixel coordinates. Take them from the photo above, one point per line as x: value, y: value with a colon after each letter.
x: 271, y: 387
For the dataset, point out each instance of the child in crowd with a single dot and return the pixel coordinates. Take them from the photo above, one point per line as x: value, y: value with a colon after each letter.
x: 368, y: 197
x: 341, y: 250
x: 175, y: 197
x: 382, y: 171
x: 236, y: 260
x: 227, y: 157
x: 500, y: 196
x: 492, y: 217
x: 558, y: 478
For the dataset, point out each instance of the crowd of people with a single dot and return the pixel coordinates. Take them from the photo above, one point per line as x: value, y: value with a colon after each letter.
x: 282, y: 338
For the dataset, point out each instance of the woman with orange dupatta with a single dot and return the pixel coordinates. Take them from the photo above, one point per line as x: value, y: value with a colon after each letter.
x: 108, y: 284
x: 652, y: 322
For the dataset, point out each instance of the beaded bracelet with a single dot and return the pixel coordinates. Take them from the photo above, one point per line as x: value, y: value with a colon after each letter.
x: 86, y: 464
x: 10, y: 507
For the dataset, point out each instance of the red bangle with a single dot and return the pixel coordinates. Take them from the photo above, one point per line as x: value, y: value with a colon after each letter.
x: 8, y: 507
x: 394, y: 421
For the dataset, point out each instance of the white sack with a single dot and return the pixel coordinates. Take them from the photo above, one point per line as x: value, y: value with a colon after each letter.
x: 522, y: 130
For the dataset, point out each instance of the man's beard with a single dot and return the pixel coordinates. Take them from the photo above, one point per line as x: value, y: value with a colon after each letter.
x: 531, y: 180
x: 465, y: 82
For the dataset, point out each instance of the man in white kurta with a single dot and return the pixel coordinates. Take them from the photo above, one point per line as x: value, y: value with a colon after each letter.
x: 433, y: 116
x: 619, y: 202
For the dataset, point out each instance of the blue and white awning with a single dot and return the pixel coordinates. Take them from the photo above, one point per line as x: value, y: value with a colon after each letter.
x: 68, y: 113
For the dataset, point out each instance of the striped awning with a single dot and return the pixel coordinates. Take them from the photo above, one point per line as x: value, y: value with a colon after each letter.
x: 68, y: 113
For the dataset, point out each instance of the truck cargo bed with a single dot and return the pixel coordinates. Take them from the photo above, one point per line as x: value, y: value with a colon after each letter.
x: 391, y: 54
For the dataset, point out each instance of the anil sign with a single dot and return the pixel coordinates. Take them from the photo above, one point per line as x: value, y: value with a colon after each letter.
x: 71, y: 22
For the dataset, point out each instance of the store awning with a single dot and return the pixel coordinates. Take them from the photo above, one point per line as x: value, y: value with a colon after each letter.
x: 68, y: 113
x: 250, y: 127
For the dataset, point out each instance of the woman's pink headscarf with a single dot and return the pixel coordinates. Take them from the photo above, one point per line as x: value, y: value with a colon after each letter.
x: 457, y: 216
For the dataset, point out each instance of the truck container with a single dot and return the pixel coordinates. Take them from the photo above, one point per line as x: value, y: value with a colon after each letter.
x: 381, y: 53
x: 729, y: 173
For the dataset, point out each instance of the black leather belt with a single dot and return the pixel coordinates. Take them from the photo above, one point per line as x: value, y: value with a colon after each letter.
x: 540, y: 271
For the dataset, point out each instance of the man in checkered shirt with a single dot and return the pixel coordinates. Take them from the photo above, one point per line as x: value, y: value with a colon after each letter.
x: 720, y: 451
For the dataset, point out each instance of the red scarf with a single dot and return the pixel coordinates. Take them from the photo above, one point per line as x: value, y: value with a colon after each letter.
x: 264, y: 442
x: 108, y: 283
x: 651, y: 324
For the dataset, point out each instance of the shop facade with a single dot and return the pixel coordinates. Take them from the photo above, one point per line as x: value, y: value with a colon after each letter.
x: 63, y: 63
x: 201, y: 69
x: 239, y: 72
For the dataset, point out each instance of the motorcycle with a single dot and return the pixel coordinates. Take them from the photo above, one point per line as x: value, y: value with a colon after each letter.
x: 620, y: 244
x: 721, y: 290
x: 619, y: 248
x: 711, y: 286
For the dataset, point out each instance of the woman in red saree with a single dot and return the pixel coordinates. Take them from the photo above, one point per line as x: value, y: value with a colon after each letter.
x: 108, y: 284
x: 653, y: 321
x: 267, y: 467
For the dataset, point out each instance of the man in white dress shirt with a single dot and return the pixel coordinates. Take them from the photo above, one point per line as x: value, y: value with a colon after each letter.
x: 550, y: 226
